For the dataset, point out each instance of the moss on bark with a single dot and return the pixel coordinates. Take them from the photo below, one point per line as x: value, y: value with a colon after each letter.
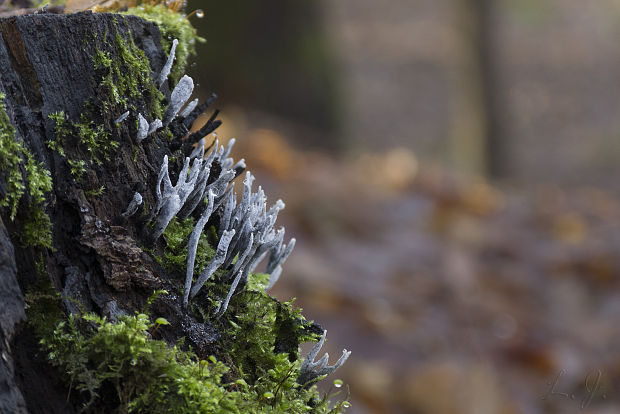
x: 24, y: 175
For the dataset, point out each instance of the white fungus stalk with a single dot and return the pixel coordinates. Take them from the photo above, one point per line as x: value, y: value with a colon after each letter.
x: 122, y: 117
x: 310, y: 370
x: 135, y: 202
x: 192, y: 246
x: 143, y: 129
x: 170, y: 199
x: 179, y: 96
x: 217, y: 261
x: 163, y: 75
x: 189, y: 108
x: 154, y: 126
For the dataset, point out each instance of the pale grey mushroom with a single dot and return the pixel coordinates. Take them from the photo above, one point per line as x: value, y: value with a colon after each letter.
x: 154, y: 126
x: 217, y: 261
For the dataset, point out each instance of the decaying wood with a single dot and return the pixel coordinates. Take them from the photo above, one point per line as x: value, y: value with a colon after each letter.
x: 46, y: 66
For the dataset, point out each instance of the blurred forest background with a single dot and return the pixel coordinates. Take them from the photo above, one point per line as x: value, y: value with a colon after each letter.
x: 450, y: 170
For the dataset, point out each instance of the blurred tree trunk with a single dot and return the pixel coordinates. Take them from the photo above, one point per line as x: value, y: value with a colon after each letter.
x: 477, y: 141
x: 275, y: 57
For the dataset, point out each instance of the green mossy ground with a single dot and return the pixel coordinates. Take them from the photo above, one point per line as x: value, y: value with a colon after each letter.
x: 117, y: 367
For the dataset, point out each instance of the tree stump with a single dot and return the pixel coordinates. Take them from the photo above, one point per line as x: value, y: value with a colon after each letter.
x: 47, y: 67
x: 92, y: 136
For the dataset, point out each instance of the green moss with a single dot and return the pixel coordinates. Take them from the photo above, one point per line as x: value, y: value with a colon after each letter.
x: 39, y: 179
x: 258, y: 282
x: 61, y: 132
x: 261, y: 337
x: 96, y: 192
x: 36, y: 228
x: 77, y: 168
x: 176, y: 236
x: 167, y: 134
x: 172, y: 25
x: 102, y: 59
x: 10, y: 159
x: 145, y: 375
x: 96, y: 140
x: 139, y: 374
x: 261, y: 328
x: 127, y: 77
x: 92, y: 139
x: 43, y: 304
x: 12, y: 153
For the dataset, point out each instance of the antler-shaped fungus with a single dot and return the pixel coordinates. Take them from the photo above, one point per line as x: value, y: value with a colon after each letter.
x: 170, y: 199
x: 311, y: 371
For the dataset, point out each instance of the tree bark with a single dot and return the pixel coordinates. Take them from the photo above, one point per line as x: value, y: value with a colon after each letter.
x: 91, y: 140
x: 46, y: 66
x: 12, y: 311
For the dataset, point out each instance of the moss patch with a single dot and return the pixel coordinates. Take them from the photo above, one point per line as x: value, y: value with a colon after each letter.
x: 261, y: 328
x: 260, y: 339
x: 127, y: 77
x: 117, y: 367
x: 176, y: 236
x: 44, y: 306
x: 13, y: 154
x: 37, y: 228
x: 95, y: 192
x: 172, y: 25
x: 91, y: 139
x: 133, y: 372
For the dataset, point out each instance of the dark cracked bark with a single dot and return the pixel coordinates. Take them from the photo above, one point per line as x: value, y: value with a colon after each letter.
x: 12, y: 312
x: 46, y: 66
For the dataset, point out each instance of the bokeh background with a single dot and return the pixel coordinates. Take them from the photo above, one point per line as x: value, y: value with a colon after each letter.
x: 450, y: 169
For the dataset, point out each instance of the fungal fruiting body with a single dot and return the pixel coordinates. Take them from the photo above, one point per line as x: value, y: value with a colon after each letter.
x: 205, y: 189
x: 311, y: 370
